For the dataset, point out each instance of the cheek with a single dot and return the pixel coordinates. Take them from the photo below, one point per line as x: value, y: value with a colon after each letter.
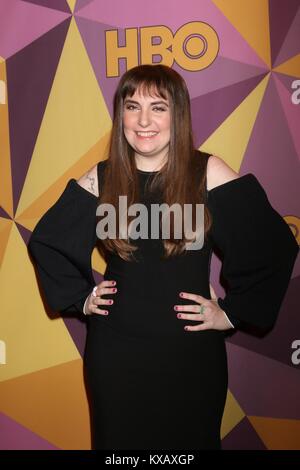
x: 128, y: 121
x: 166, y: 124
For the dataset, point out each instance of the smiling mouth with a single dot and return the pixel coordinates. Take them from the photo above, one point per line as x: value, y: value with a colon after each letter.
x: 146, y: 134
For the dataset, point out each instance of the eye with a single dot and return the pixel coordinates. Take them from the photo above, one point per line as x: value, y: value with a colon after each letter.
x: 159, y: 108
x: 130, y: 107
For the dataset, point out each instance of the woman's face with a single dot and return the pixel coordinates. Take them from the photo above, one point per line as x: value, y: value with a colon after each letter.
x: 146, y: 124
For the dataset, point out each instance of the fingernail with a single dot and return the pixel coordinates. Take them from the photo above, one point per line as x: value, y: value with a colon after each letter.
x: 113, y: 283
x: 181, y: 294
x: 176, y: 308
x: 114, y: 290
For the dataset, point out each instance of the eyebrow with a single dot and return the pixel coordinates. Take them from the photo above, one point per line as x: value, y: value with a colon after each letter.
x: 153, y: 102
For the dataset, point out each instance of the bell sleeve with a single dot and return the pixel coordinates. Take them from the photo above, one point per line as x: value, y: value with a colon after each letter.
x: 61, y: 246
x: 258, y: 248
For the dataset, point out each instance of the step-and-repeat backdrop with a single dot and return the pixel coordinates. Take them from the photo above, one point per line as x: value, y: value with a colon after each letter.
x: 60, y: 61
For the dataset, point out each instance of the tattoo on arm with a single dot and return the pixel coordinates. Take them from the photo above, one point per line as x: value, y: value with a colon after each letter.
x: 92, y: 183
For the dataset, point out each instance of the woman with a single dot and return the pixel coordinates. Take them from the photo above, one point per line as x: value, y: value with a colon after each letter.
x: 155, y: 358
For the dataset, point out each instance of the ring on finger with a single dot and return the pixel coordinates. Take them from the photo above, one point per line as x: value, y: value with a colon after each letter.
x: 94, y: 293
x: 202, y: 309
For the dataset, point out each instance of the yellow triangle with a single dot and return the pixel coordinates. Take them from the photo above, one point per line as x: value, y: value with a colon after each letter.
x: 75, y: 118
x: 290, y: 67
x: 5, y: 228
x: 98, y: 262
x: 51, y: 403
x: 229, y: 141
x: 277, y: 434
x: 33, y: 341
x: 71, y: 4
x: 33, y: 213
x: 6, y: 194
x: 233, y: 414
x: 251, y: 19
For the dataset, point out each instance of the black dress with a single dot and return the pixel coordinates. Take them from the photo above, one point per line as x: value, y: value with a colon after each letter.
x: 153, y: 385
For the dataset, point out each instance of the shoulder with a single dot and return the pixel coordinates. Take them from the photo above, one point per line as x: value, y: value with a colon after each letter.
x: 89, y: 181
x: 218, y: 172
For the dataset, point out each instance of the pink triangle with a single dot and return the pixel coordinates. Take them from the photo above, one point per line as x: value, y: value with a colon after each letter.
x: 28, y: 20
x: 14, y: 436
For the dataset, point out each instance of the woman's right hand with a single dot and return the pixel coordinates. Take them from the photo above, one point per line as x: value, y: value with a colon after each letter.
x: 94, y: 303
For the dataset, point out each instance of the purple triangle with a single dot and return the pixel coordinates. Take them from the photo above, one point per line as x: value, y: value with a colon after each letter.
x: 61, y: 5
x: 272, y: 157
x: 218, y: 105
x: 243, y: 437
x: 277, y: 343
x: 24, y: 232
x: 30, y: 76
x: 263, y: 386
x: 77, y: 330
x: 14, y: 436
x: 4, y: 214
x: 77, y: 326
x: 82, y: 3
x: 281, y: 19
x: 93, y: 36
x: 286, y: 80
x: 220, y: 74
x: 291, y: 45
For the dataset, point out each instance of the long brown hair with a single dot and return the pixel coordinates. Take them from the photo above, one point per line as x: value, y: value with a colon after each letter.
x: 182, y: 179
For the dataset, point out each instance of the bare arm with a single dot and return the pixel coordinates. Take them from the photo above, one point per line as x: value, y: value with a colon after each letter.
x: 218, y: 172
x: 89, y: 181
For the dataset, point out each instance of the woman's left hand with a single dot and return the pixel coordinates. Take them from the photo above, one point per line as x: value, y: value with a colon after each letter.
x: 207, y: 312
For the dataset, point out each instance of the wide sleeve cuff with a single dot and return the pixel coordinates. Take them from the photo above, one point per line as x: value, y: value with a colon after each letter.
x: 258, y: 250
x: 61, y: 245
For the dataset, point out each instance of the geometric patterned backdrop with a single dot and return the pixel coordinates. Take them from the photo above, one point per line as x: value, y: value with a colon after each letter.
x: 55, y: 119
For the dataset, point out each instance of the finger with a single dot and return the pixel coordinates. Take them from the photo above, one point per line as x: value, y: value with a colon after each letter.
x: 200, y: 327
x: 196, y: 297
x: 191, y: 316
x: 106, y: 284
x: 187, y: 308
x: 98, y: 311
x: 106, y: 290
x: 100, y: 301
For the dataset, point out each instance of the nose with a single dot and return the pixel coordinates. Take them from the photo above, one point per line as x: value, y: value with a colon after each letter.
x: 144, y: 118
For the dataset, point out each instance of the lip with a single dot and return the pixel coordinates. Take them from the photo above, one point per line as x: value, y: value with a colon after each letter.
x: 146, y: 137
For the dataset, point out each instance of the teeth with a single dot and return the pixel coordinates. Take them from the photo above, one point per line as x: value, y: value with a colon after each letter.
x: 146, y: 134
